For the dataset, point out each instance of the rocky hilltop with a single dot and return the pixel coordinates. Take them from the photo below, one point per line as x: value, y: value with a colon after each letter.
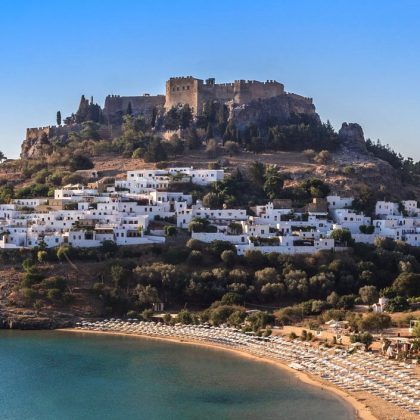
x: 199, y: 122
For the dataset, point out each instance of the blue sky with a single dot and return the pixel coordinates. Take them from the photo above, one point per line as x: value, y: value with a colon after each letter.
x: 359, y: 60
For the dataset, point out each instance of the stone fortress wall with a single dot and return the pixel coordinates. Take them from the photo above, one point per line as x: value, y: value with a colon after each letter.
x: 182, y: 90
x: 140, y: 105
x: 35, y: 132
x: 195, y: 92
x: 264, y: 98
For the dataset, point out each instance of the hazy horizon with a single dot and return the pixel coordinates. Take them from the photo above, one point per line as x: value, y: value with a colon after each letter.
x: 357, y: 61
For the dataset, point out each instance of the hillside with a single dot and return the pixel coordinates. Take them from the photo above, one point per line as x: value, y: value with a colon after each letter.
x: 270, y: 147
x: 346, y: 173
x: 197, y: 123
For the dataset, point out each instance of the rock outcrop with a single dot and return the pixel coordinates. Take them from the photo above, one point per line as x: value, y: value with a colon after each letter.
x: 279, y: 109
x: 33, y: 322
x: 351, y: 137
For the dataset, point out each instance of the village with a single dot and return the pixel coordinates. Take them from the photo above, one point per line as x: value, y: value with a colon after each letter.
x: 127, y: 211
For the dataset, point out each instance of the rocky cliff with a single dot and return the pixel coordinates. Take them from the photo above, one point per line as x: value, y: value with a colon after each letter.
x: 279, y: 109
x: 351, y: 137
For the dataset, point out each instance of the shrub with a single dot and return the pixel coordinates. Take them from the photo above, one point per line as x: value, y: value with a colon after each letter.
x: 54, y: 294
x: 212, y: 148
x: 195, y: 258
x: 309, y: 154
x: 170, y: 230
x: 80, y: 162
x: 195, y: 244
x: 323, y: 157
x: 55, y: 282
x: 232, y: 147
x: 28, y: 294
x: 228, y: 257
x: 184, y: 317
x: 32, y: 277
x: 364, y: 338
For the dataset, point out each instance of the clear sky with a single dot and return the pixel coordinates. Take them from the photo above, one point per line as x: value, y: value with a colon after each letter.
x: 358, y: 59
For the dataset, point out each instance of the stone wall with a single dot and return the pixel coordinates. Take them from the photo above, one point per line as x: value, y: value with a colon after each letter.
x: 37, y: 132
x: 140, y: 105
x: 210, y: 91
x: 196, y: 92
x: 247, y: 91
x: 182, y: 90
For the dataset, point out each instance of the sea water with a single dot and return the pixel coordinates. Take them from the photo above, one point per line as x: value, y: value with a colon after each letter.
x: 59, y: 375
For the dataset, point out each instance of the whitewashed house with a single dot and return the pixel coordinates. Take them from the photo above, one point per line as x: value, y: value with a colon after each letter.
x: 337, y: 202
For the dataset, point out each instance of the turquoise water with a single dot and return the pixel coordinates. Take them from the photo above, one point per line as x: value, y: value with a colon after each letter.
x: 54, y: 375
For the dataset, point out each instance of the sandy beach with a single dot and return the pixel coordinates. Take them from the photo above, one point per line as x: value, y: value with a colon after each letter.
x: 365, y: 408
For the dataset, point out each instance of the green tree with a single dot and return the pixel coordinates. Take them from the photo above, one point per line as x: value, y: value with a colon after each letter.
x: 7, y: 192
x: 209, y: 132
x: 407, y: 284
x: 237, y: 318
x: 212, y: 200
x: 185, y: 116
x: 129, y: 109
x: 228, y: 257
x: 155, y: 151
x: 217, y: 247
x: 256, y: 173
x: 90, y: 130
x: 193, y: 141
x: 375, y: 322
x: 118, y: 274
x: 397, y: 304
x: 146, y: 295
x: 342, y: 237
x: 273, y: 182
x: 195, y: 258
x: 58, y: 118
x: 231, y: 298
x: 369, y: 294
x: 172, y: 119
x: 296, y: 282
x: 322, y: 284
x: 184, y: 317
x: 2, y: 157
x: 364, y: 338
x: 79, y: 161
x: 267, y: 275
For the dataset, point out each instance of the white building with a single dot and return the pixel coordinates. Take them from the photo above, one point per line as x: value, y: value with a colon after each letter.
x: 337, y: 202
x: 386, y: 208
x: 147, y: 180
x: 349, y: 219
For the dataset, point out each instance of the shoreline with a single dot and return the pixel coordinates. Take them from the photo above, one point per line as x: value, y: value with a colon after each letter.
x: 360, y: 410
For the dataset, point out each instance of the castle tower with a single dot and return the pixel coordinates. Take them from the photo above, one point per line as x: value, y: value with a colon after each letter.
x: 181, y: 91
